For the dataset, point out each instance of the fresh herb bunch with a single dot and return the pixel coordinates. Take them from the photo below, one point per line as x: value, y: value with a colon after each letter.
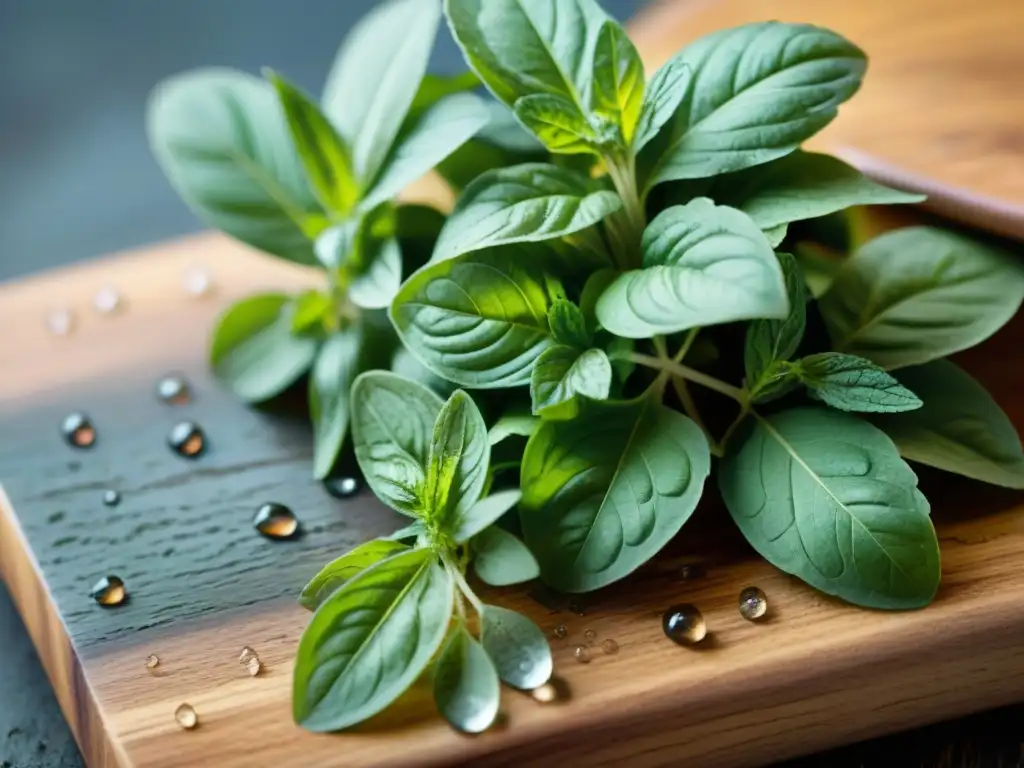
x: 627, y: 304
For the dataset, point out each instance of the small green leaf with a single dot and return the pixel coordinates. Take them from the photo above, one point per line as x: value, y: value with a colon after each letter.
x: 959, y: 429
x: 771, y: 341
x: 666, y: 89
x: 825, y: 496
x: 919, y: 294
x: 312, y: 308
x: 370, y: 640
x: 617, y: 93
x: 603, y: 493
x: 466, y: 686
x: 375, y: 77
x: 484, y: 513
x: 322, y: 151
x: 457, y: 461
x: 568, y: 325
x: 392, y: 428
x: 500, y: 559
x: 562, y: 375
x: 704, y: 264
x: 557, y: 123
x: 336, y: 245
x: 525, y: 203
x: 512, y: 424
x: 254, y: 350
x: 775, y: 235
x: 479, y: 320
x: 411, y: 531
x: 336, y: 365
x: 339, y: 571
x: 852, y: 383
x: 517, y: 647
x: 377, y: 284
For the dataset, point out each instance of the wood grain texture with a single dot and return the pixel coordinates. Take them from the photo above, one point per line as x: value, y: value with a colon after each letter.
x: 203, y: 584
x: 941, y: 109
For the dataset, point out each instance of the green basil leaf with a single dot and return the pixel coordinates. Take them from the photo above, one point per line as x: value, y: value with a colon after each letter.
x: 775, y: 235
x: 562, y: 375
x: 852, y: 383
x: 666, y: 89
x: 603, y: 493
x: 959, y: 429
x: 525, y: 203
x: 479, y: 320
x: 457, y: 462
x: 377, y: 284
x: 501, y: 560
x: 370, y: 640
x: 757, y: 92
x: 703, y: 265
x: 375, y: 77
x: 617, y: 93
x: 518, y: 648
x: 568, y: 325
x: 411, y: 531
x: 336, y: 365
x: 322, y: 151
x: 440, y: 131
x: 466, y: 686
x: 558, y: 123
x: 254, y: 350
x: 512, y: 424
x: 825, y: 496
x: 919, y: 294
x: 352, y: 563
x: 392, y: 428
x: 433, y: 88
x: 771, y: 341
x: 223, y: 142
x: 484, y: 513
x: 312, y: 309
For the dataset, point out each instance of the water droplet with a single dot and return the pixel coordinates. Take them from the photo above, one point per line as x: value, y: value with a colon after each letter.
x: 590, y: 634
x: 61, y: 322
x: 111, y: 498
x: 152, y: 661
x: 561, y: 631
x: 545, y: 694
x: 197, y: 282
x: 107, y: 300
x: 78, y: 430
x: 109, y: 591
x: 684, y: 624
x: 342, y: 487
x: 173, y: 390
x: 582, y: 654
x: 276, y: 521
x: 186, y: 716
x: 577, y: 606
x: 609, y: 646
x: 187, y: 439
x: 753, y: 604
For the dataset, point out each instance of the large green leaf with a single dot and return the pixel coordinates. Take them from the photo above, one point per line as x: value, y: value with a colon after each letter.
x: 375, y: 78
x: 466, y: 686
x: 918, y: 294
x: 603, y: 493
x: 479, y: 320
x: 757, y: 92
x: 222, y: 139
x: 517, y: 647
x: 960, y: 428
x: 825, y: 496
x: 392, y: 428
x: 772, y: 342
x: 851, y: 383
x: 500, y: 559
x: 617, y: 93
x: 703, y: 265
x: 254, y: 350
x: 661, y: 99
x: 557, y: 122
x: 525, y: 203
x: 370, y: 640
x: 336, y: 366
x: 562, y: 375
x: 352, y: 563
x: 457, y: 462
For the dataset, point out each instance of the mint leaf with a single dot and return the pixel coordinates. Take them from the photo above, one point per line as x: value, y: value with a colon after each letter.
x: 352, y: 563
x: 336, y: 365
x: 500, y: 559
x: 959, y: 429
x: 703, y: 265
x: 617, y: 92
x: 562, y: 375
x: 603, y: 493
x: 457, y: 462
x: 917, y: 294
x: 568, y: 326
x: 466, y: 686
x: 825, y: 496
x: 558, y: 123
x: 517, y: 647
x: 770, y: 342
x: 852, y: 383
x: 661, y: 99
x: 484, y: 513
x: 370, y: 640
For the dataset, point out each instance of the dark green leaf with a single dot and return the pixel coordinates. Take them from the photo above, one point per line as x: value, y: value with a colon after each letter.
x: 562, y: 375
x: 825, y: 496
x: 568, y: 325
x: 500, y: 559
x: 558, y: 123
x: 852, y: 383
x: 466, y: 686
x: 666, y: 89
x: 517, y: 647
x: 370, y: 640
x: 337, y: 572
x: 484, y: 513
x: 771, y: 341
x: 617, y: 93
x: 457, y: 462
x: 337, y: 364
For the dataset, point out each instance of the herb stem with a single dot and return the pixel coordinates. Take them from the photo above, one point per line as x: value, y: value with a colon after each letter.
x: 684, y: 350
x: 745, y: 410
x: 690, y: 407
x: 622, y: 172
x: 690, y: 374
x: 462, y: 584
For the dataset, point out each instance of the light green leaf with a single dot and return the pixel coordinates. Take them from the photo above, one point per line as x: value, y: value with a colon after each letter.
x: 603, y: 493
x: 500, y: 559
x: 466, y: 686
x: 479, y: 320
x: 336, y: 245
x: 959, y: 429
x: 312, y: 309
x: 666, y: 89
x: 772, y: 341
x: 617, y: 93
x: 562, y: 375
x: 512, y: 424
x: 775, y: 235
x: 852, y: 383
x: 484, y: 513
x: 433, y: 88
x: 457, y: 462
x: 352, y: 563
x: 392, y: 428
x: 525, y: 203
x: 377, y: 284
x: 412, y: 531
x: 443, y: 129
x: 375, y: 78
x: 558, y: 124
x: 757, y: 92
x: 322, y: 151
x: 222, y: 140
x: 370, y: 640
x: 918, y: 294
x: 703, y: 265
x: 408, y: 366
x: 517, y: 647
x: 254, y: 350
x: 336, y: 365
